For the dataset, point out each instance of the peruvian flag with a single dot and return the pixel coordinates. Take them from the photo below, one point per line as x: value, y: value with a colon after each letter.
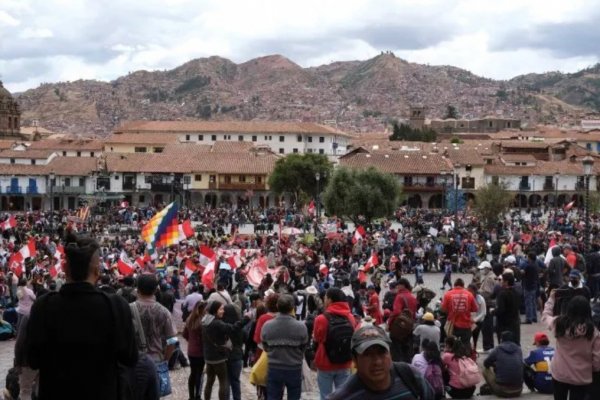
x: 359, y: 234
x: 208, y: 276
x: 11, y: 222
x: 124, y: 204
x: 59, y: 254
x: 185, y: 230
x: 190, y: 268
x: 15, y: 262
x: 124, y: 266
x: 373, y: 261
x: 207, y: 255
x: 569, y: 206
x: 142, y: 260
x: 235, y: 261
x: 311, y: 208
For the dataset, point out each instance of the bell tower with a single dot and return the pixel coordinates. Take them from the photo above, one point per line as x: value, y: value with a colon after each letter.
x: 417, y: 117
x: 10, y: 115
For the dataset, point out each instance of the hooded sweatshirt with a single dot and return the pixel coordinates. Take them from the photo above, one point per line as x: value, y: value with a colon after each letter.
x: 320, y: 336
x: 215, y: 334
x: 575, y: 357
x: 507, y: 360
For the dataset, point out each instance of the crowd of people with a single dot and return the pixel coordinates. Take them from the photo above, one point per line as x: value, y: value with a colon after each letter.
x: 330, y: 299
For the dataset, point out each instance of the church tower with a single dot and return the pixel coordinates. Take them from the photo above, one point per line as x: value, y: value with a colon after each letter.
x: 10, y: 115
x: 417, y: 117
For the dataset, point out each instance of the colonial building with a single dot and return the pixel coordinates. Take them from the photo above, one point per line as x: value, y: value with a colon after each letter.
x: 10, y: 115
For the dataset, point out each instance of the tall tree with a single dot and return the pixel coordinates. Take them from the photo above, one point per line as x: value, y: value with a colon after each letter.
x: 351, y: 193
x: 491, y: 201
x: 296, y: 175
x: 451, y: 112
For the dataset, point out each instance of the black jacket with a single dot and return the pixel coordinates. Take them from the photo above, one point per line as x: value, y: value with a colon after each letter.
x: 508, y: 303
x: 75, y: 340
x: 215, y: 333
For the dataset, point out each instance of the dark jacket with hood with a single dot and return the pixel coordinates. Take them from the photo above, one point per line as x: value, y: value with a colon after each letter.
x: 215, y: 333
x: 507, y: 360
x: 555, y: 268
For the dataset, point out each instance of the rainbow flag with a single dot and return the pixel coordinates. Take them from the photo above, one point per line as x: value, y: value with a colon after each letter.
x: 163, y: 229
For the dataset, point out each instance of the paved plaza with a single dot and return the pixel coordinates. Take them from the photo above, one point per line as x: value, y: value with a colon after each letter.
x: 179, y: 377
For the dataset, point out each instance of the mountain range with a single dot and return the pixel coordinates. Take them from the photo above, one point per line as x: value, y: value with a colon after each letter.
x: 356, y: 96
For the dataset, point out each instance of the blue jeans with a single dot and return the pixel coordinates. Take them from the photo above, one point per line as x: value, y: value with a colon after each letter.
x: 234, y: 370
x: 326, y: 380
x: 530, y: 297
x: 277, y: 379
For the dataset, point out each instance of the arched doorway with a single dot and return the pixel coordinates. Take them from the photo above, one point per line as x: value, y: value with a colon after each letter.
x: 535, y: 200
x: 414, y: 201
x: 520, y: 201
x: 550, y: 200
x: 225, y: 199
x: 562, y: 200
x: 210, y: 200
x: 435, y: 201
x: 578, y: 199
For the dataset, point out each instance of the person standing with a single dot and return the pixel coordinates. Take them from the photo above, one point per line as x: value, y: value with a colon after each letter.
x: 486, y: 290
x: 284, y: 339
x: 508, y: 303
x: 373, y: 307
x: 531, y: 286
x: 478, y: 316
x: 76, y: 337
x: 328, y: 329
x: 235, y: 360
x: 556, y: 269
x: 577, y: 353
x: 193, y: 334
x: 458, y: 304
x: 593, y: 271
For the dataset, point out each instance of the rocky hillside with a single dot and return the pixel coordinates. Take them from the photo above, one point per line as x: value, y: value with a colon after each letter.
x: 358, y: 96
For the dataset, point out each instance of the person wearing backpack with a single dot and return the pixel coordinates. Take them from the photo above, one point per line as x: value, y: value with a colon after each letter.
x: 462, y: 373
x: 332, y: 334
x: 377, y: 376
x: 429, y: 363
x: 503, y: 371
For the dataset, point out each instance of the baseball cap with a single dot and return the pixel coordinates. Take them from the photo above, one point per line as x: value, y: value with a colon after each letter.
x: 539, y: 336
x: 368, y: 336
x: 428, y: 317
x: 510, y: 260
x: 574, y: 274
x: 485, y: 264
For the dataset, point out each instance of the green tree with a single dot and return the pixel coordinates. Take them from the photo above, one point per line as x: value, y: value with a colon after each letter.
x: 451, y: 112
x: 354, y: 192
x: 405, y: 132
x: 296, y: 175
x: 491, y: 201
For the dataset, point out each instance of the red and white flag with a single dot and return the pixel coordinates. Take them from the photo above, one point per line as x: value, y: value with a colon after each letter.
x: 124, y: 265
x: 569, y: 206
x: 208, y: 275
x: 59, y: 255
x: 185, y: 230
x: 190, y: 268
x: 10, y: 223
x: 206, y: 255
x: 359, y: 234
x: 15, y: 262
x: 235, y: 261
x: 373, y: 261
x: 311, y: 208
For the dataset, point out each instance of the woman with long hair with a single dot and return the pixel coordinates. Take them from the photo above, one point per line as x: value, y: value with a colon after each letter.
x: 577, y: 351
x: 453, y: 352
x: 235, y: 360
x: 193, y: 334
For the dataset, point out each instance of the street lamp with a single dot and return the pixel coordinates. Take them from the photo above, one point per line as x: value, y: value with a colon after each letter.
x: 52, y: 177
x: 444, y: 175
x: 456, y: 177
x: 556, y: 176
x: 172, y: 175
x: 588, y: 164
x: 318, y: 178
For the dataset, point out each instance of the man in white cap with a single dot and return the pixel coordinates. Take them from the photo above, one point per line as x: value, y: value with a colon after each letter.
x: 377, y: 377
x: 486, y: 290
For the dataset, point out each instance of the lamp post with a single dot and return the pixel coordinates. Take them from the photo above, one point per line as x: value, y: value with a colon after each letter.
x: 456, y: 177
x: 556, y: 176
x: 52, y: 177
x: 588, y: 164
x: 444, y: 174
x: 172, y: 175
x: 318, y: 178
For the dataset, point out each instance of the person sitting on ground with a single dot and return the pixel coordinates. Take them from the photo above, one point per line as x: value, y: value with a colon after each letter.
x: 537, y: 374
x: 454, y: 352
x: 428, y: 330
x: 503, y: 370
x: 377, y: 377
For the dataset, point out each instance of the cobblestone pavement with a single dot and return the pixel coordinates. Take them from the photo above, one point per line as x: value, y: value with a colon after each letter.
x: 179, y: 377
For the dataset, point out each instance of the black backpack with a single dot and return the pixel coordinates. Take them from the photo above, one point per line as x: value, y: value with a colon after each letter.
x: 339, y: 336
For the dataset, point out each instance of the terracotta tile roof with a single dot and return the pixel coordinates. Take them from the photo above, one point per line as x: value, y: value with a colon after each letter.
x: 232, y: 147
x: 403, y: 163
x: 523, y: 144
x: 28, y: 154
x: 146, y: 138
x: 229, y: 126
x: 67, y: 166
x: 74, y: 144
x: 186, y: 150
x: 237, y: 163
x: 518, y: 157
x: 6, y: 144
x: 542, y: 168
x: 22, y: 169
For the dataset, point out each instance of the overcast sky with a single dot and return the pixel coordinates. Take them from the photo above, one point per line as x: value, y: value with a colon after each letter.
x: 61, y: 40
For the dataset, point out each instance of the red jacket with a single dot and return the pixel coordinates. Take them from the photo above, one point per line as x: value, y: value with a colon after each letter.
x: 459, y: 303
x: 399, y: 303
x: 320, y: 336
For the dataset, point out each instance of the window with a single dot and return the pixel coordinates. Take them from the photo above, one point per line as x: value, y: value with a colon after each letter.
x: 78, y: 154
x: 116, y: 177
x: 242, y: 178
x: 67, y: 181
x: 142, y: 198
x: 495, y: 180
x: 490, y: 124
x: 32, y: 162
x: 212, y: 179
x: 200, y: 138
x: 321, y: 139
x: 321, y: 151
x: 258, y: 179
x: 227, y: 179
x: 254, y: 138
x: 139, y: 149
x: 187, y: 180
x: 309, y: 139
x: 282, y: 138
x: 81, y: 182
x: 198, y: 178
x: 226, y: 137
x: 213, y: 138
x: 299, y: 138
x: 158, y: 149
x: 92, y: 154
x: 12, y: 160
x: 280, y: 151
x: 309, y: 150
x: 241, y: 138
x: 187, y: 138
x: 148, y: 179
x: 294, y: 150
x: 408, y: 181
x: 64, y: 153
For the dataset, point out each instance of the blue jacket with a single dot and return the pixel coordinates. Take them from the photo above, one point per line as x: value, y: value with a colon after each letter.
x: 507, y: 360
x: 539, y: 360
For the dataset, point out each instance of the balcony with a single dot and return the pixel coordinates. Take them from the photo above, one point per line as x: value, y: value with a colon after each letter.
x: 164, y: 187
x: 32, y: 190
x: 129, y: 186
x: 580, y: 186
x: 13, y: 190
x: 422, y: 187
x: 69, y: 189
x: 242, y: 186
x: 524, y: 186
x: 549, y: 186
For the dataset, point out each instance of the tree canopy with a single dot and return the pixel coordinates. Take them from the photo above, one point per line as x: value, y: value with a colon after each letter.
x: 405, y: 132
x: 491, y: 201
x: 351, y: 193
x: 451, y: 112
x: 295, y: 174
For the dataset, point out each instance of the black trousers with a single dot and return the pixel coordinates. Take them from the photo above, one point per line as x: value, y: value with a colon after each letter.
x: 565, y: 391
x: 487, y: 332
